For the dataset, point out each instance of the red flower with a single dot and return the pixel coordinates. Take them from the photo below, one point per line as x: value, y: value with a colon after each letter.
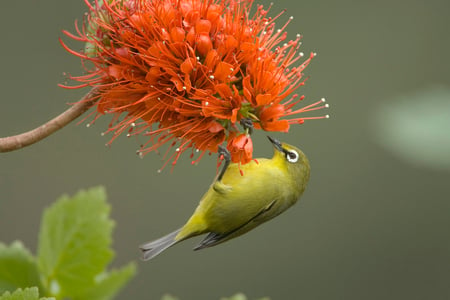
x: 186, y: 72
x: 241, y: 148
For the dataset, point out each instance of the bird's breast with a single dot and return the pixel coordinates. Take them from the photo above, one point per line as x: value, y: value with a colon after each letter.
x: 247, y: 195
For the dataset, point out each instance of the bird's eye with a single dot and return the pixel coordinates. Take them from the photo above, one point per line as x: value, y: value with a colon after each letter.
x: 292, y: 156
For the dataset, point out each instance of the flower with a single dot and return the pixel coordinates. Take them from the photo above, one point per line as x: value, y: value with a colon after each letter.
x: 241, y: 148
x: 186, y: 72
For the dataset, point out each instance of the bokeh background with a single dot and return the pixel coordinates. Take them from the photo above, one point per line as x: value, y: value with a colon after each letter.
x: 374, y: 222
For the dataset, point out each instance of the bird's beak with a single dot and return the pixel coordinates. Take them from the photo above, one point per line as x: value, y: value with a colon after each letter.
x: 276, y: 143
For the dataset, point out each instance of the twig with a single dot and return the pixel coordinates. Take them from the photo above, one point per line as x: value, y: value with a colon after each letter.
x: 19, y: 141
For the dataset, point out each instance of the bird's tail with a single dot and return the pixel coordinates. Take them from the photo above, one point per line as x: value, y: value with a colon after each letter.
x: 152, y: 249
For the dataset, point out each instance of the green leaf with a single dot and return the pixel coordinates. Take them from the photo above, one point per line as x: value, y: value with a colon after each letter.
x: 110, y: 283
x: 74, y: 242
x: 18, y: 268
x: 238, y: 296
x: 414, y: 127
x: 19, y: 294
x: 25, y: 294
x: 169, y: 297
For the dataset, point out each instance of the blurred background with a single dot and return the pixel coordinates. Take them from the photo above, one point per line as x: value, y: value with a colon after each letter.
x: 374, y: 221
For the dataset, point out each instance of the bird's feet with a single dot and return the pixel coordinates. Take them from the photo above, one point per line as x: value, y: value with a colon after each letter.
x: 224, y: 155
x: 247, y: 124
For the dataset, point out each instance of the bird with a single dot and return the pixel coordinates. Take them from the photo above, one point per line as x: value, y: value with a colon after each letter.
x: 235, y: 203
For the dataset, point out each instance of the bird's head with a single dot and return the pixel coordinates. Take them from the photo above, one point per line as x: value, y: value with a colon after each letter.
x: 292, y: 158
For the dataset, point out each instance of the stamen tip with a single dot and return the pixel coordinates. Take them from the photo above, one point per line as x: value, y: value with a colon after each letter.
x: 323, y: 100
x: 327, y: 116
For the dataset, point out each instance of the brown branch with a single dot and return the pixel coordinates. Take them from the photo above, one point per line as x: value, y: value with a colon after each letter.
x: 19, y: 141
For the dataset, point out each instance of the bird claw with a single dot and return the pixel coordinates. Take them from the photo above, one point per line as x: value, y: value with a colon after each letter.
x: 247, y: 124
x: 224, y: 153
x: 226, y: 156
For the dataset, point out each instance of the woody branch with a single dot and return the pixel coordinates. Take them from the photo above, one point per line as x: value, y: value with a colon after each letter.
x: 22, y: 140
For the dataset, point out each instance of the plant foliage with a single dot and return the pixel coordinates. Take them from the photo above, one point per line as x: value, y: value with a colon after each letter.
x: 74, y: 251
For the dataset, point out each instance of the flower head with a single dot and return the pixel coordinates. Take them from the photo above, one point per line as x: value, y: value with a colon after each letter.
x: 186, y: 72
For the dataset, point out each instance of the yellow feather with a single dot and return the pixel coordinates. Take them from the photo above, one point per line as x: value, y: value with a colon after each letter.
x: 238, y: 203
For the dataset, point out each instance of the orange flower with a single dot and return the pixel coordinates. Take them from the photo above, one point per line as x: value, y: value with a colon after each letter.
x: 186, y: 72
x: 241, y: 148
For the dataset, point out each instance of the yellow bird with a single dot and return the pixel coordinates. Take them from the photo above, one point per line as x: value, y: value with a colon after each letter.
x: 235, y: 204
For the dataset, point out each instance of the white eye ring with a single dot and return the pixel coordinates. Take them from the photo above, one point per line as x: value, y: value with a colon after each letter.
x: 292, y: 156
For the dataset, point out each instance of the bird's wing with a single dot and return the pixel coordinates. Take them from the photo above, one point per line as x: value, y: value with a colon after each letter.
x: 214, y: 238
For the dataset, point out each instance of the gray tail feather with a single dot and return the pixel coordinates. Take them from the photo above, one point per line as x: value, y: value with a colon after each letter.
x: 152, y: 249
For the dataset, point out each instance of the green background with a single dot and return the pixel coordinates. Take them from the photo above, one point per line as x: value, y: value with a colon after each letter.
x: 374, y: 222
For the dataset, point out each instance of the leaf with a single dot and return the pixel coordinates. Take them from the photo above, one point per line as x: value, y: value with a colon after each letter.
x: 414, y: 127
x: 238, y: 296
x: 19, y: 294
x: 18, y: 268
x: 74, y: 242
x: 169, y: 297
x: 25, y: 294
x: 109, y: 284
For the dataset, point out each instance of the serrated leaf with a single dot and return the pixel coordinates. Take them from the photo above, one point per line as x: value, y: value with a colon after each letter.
x: 25, y: 294
x: 19, y: 294
x: 74, y: 242
x: 18, y: 268
x: 109, y: 284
